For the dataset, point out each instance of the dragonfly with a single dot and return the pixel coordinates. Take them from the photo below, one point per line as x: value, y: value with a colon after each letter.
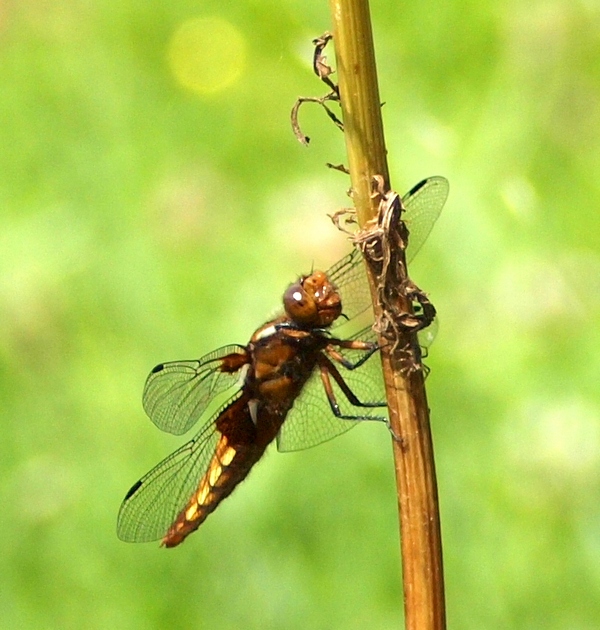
x: 305, y: 377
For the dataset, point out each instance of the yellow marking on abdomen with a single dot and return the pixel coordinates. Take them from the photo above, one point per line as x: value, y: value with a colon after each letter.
x: 214, y: 473
x: 224, y: 455
x: 191, y: 512
x: 203, y: 493
x: 227, y: 456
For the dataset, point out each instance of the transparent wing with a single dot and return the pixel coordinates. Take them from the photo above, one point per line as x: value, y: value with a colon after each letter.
x: 427, y: 336
x: 176, y: 394
x: 350, y: 276
x: 153, y: 503
x: 423, y: 204
x: 311, y: 420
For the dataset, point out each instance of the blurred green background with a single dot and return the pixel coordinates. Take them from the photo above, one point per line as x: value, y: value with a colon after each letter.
x: 154, y: 206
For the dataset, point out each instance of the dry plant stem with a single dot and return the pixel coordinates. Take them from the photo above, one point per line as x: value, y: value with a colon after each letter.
x: 409, y: 414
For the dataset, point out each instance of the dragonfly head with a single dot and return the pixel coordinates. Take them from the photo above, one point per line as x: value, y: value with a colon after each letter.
x: 313, y: 301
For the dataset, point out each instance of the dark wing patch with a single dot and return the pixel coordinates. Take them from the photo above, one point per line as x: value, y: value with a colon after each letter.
x: 176, y: 394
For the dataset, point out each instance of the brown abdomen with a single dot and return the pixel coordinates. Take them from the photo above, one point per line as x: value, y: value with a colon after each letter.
x: 228, y: 467
x: 240, y: 446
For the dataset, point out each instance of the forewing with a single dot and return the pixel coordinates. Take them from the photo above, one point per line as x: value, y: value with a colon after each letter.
x: 176, y: 394
x: 350, y: 277
x: 311, y: 420
x: 153, y: 503
x: 423, y: 204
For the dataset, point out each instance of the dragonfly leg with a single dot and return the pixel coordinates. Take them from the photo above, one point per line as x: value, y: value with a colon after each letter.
x: 395, y: 436
x: 370, y: 348
x: 329, y: 370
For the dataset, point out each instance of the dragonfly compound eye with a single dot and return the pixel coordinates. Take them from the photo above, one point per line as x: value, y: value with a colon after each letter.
x: 300, y: 306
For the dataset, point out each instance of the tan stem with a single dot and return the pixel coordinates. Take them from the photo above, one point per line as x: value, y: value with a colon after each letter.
x: 409, y: 413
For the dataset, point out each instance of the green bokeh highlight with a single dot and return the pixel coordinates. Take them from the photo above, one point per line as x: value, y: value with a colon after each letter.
x: 142, y: 222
